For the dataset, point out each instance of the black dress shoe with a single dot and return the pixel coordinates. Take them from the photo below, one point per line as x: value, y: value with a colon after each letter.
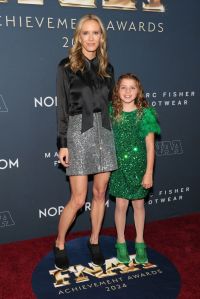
x: 61, y: 259
x: 96, y: 254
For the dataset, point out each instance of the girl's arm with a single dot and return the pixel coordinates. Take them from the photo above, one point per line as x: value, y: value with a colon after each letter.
x: 147, y: 181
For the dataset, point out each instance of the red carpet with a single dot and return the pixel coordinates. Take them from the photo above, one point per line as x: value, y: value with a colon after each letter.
x: 176, y: 238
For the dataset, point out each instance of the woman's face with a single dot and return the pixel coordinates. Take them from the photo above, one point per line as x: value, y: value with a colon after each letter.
x: 90, y: 38
x: 128, y: 90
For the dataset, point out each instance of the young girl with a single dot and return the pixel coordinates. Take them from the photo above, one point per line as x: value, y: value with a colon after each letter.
x: 134, y: 125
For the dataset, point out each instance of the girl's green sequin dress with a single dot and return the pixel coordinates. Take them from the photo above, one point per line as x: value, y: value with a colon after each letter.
x: 129, y: 133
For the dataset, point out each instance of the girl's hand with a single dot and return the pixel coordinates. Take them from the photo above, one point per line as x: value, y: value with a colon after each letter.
x: 147, y: 181
x: 63, y: 156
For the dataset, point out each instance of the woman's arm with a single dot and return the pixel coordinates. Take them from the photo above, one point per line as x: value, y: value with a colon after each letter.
x: 62, y: 114
x: 112, y: 82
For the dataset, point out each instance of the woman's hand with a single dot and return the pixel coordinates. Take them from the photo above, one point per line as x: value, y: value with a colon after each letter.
x: 147, y: 181
x: 63, y: 156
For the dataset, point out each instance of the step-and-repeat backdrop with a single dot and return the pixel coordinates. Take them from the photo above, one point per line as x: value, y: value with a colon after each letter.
x: 156, y: 39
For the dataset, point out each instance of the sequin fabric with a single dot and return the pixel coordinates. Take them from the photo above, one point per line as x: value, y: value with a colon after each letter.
x: 92, y: 151
x: 129, y: 133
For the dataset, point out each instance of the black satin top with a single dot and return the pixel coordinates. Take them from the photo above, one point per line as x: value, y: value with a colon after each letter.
x: 82, y: 93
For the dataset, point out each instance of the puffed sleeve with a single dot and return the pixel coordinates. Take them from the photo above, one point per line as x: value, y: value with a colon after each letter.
x: 62, y: 88
x: 149, y: 122
x: 111, y: 81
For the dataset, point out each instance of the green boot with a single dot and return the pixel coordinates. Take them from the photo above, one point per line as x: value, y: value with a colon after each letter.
x: 141, y: 253
x: 122, y: 253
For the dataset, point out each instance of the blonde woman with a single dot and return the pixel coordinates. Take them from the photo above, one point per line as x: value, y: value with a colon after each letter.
x: 85, y: 140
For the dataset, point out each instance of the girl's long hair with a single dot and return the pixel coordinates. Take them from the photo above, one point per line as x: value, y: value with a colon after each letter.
x: 140, y: 100
x: 76, y: 57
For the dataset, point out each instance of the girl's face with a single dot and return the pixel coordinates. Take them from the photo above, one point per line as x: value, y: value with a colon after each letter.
x: 90, y: 38
x: 128, y: 91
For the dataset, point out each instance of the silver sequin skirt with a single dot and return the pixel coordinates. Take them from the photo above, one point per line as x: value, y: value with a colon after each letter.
x: 90, y: 152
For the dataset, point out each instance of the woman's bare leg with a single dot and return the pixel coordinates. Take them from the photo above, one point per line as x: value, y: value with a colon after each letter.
x: 78, y: 186
x: 98, y: 204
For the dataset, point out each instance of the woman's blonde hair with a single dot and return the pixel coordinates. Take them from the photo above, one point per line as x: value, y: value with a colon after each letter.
x: 140, y: 100
x: 76, y: 58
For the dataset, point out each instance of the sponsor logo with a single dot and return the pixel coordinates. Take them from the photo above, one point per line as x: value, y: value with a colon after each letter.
x: 162, y: 148
x: 168, y: 148
x: 168, y: 196
x: 134, y: 26
x: 156, y: 99
x: 32, y: 22
x: 56, y: 211
x: 149, y: 5
x: 50, y: 212
x: 53, y: 157
x: 79, y: 273
x: 47, y: 102
x: 6, y: 219
x: 170, y: 98
x: 3, y: 107
x: 9, y: 163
